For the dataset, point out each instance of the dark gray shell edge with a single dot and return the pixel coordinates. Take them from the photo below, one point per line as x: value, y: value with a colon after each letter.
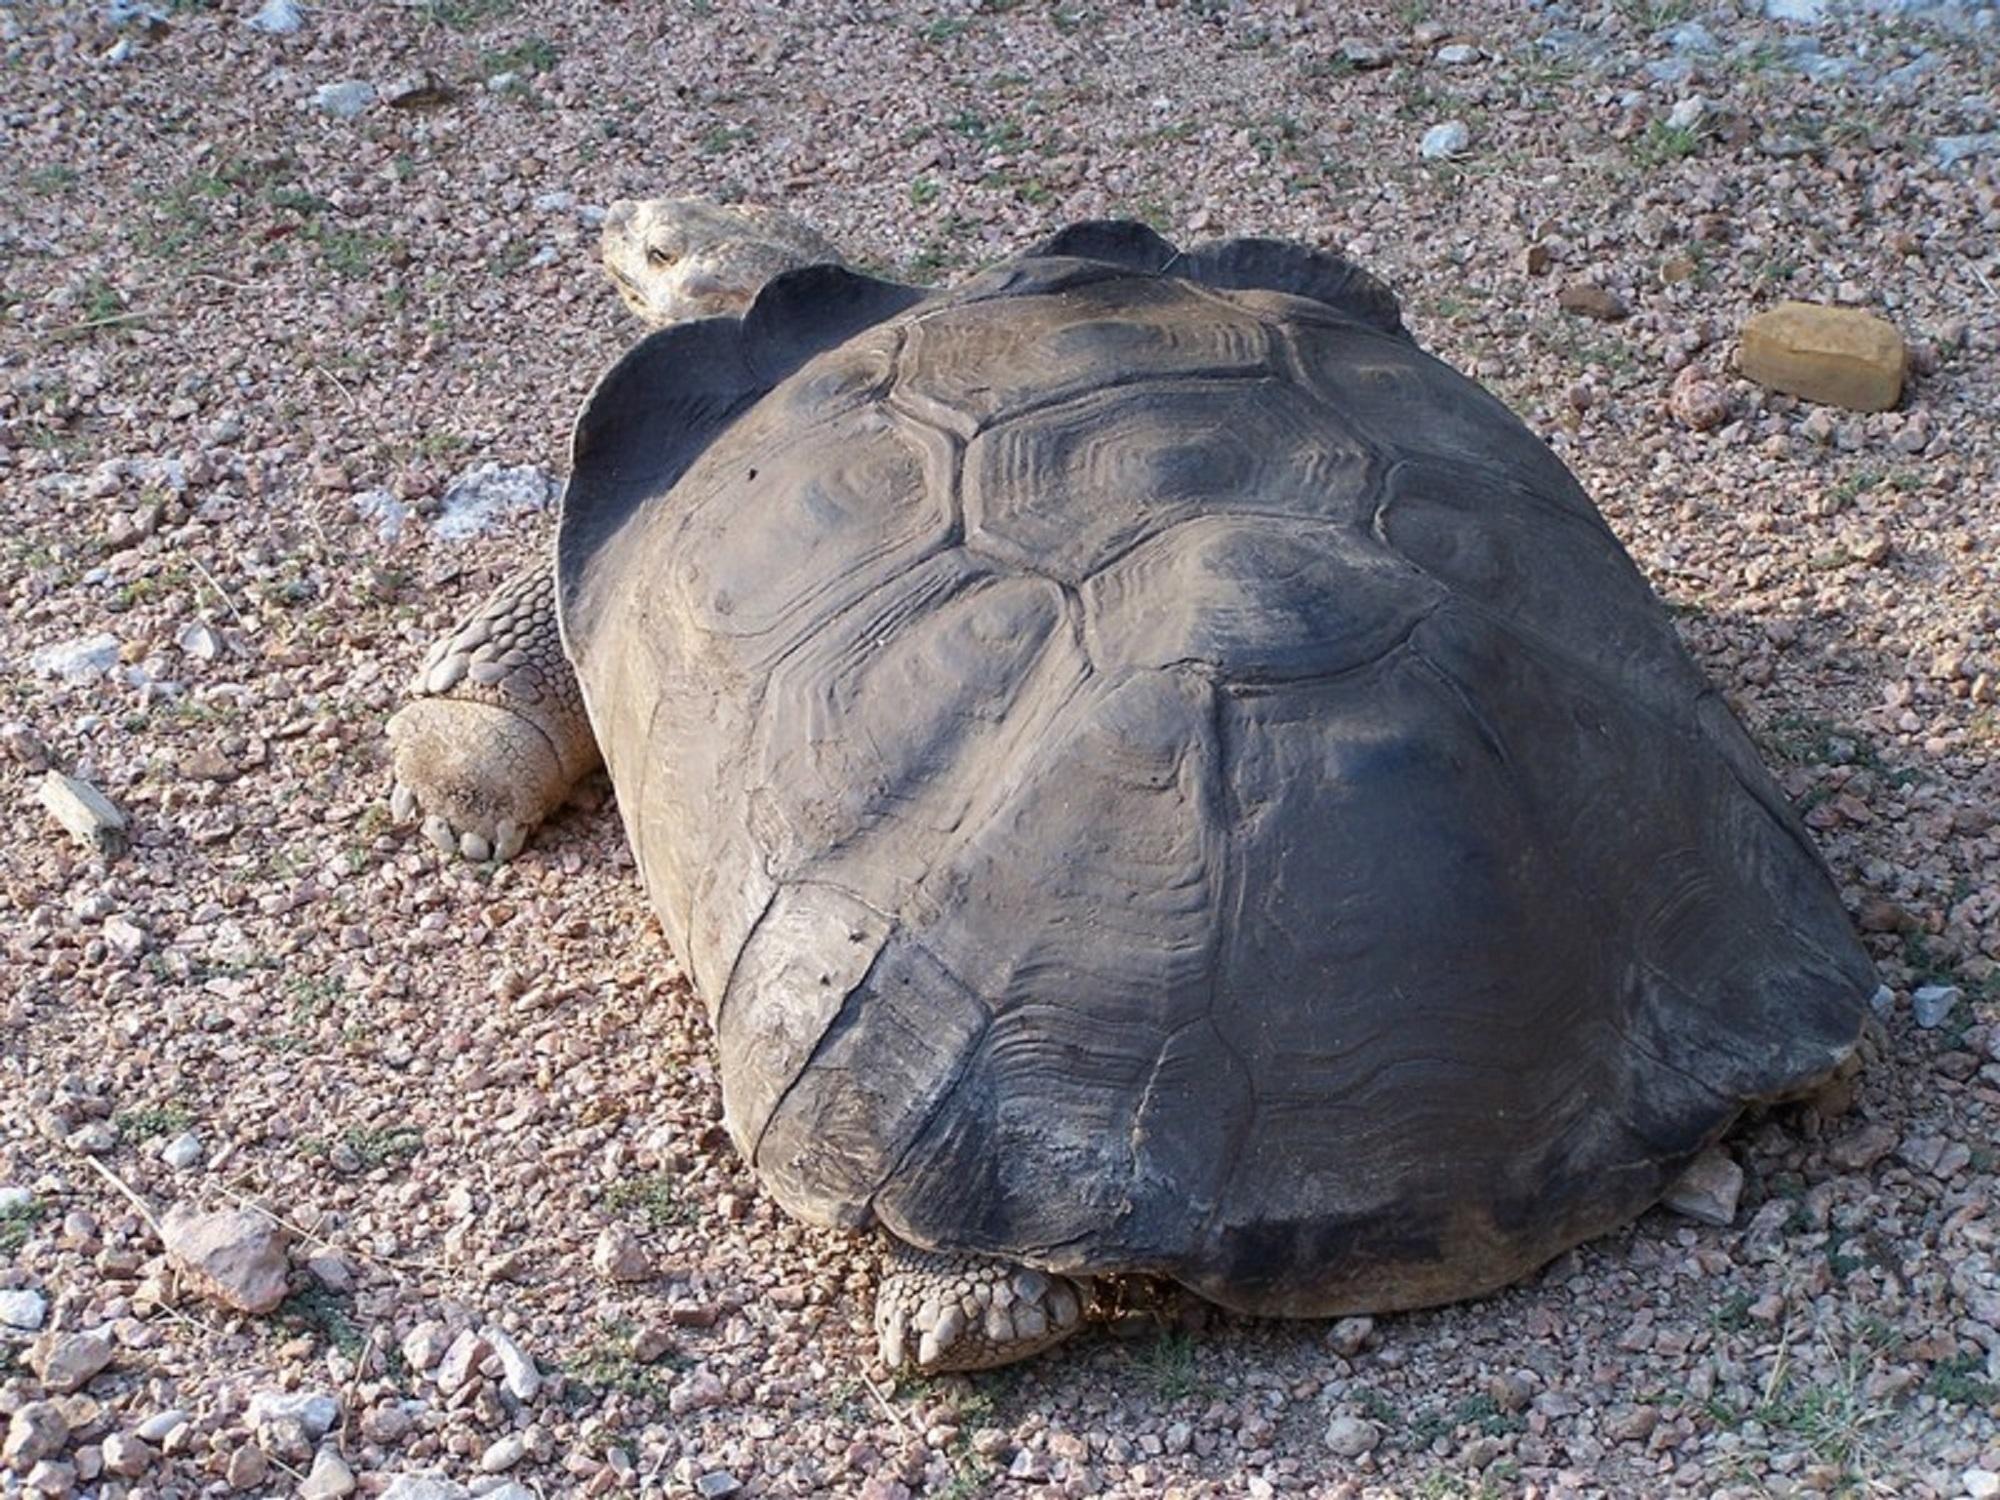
x: 658, y: 408
x: 1237, y: 265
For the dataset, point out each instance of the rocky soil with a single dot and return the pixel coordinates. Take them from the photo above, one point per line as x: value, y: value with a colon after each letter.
x: 434, y: 1148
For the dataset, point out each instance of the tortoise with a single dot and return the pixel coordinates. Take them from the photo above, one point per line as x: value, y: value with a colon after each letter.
x: 1152, y: 775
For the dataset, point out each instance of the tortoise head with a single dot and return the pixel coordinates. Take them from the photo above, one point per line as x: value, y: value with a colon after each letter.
x: 673, y: 259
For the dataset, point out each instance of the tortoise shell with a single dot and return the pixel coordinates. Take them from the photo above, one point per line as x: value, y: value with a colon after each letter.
x: 1151, y: 772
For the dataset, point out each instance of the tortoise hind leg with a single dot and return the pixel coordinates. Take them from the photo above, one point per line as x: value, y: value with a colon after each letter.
x: 935, y: 1310
x: 494, y: 734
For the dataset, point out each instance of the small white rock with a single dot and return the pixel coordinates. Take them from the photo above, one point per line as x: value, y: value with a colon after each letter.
x: 518, y: 1372
x: 1930, y: 1004
x: 84, y: 812
x: 156, y: 1428
x: 199, y: 640
x: 23, y: 1309
x: 503, y: 1454
x: 483, y: 495
x: 84, y: 659
x: 330, y: 1478
x: 1980, y: 1484
x: 1444, y: 141
x: 344, y: 100
x: 423, y: 1487
x: 1350, y: 1437
x: 183, y: 1153
x: 1458, y: 55
x: 126, y: 937
x: 424, y: 1345
x: 1688, y: 113
x: 277, y: 18
x: 316, y: 1411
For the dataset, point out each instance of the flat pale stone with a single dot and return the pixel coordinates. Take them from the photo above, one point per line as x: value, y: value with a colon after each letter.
x: 1839, y: 355
x: 1708, y: 1189
x: 85, y: 812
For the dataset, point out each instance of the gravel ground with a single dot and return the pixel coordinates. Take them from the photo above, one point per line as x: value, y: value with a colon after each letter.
x: 246, y: 343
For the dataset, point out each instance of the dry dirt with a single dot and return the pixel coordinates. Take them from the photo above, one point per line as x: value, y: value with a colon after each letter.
x: 235, y: 327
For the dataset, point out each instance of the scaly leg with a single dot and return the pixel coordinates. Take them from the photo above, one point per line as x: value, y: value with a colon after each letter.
x: 494, y: 735
x: 939, y: 1311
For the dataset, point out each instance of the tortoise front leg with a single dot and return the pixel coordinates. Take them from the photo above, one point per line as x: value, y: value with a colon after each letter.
x: 494, y: 735
x: 939, y: 1311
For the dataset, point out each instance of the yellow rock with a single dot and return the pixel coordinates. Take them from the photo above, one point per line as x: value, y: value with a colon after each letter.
x: 1838, y: 355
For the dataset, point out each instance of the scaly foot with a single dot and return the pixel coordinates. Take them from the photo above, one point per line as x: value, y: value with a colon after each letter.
x: 494, y: 734
x: 938, y: 1311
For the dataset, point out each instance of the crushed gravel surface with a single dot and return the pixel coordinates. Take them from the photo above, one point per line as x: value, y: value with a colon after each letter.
x: 267, y: 291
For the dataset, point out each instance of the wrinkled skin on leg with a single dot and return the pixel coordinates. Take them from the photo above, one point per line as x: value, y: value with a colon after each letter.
x: 938, y: 1311
x: 494, y: 735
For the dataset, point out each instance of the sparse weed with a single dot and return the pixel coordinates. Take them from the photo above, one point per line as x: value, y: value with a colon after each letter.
x: 651, y: 1197
x: 1168, y: 1364
x: 379, y: 1145
x: 144, y: 1124
x: 532, y: 54
x: 17, y: 1220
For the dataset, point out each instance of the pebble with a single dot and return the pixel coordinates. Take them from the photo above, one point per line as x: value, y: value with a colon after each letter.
x: 69, y: 1362
x: 1950, y: 150
x: 618, y: 1255
x: 717, y: 1485
x: 198, y: 640
x: 1444, y: 141
x: 502, y: 1454
x: 84, y: 812
x: 84, y: 659
x: 51, y: 1477
x: 1350, y: 1437
x: 329, y: 1479
x: 247, y: 1468
x: 1861, y: 1149
x: 344, y: 100
x: 423, y: 1487
x: 37, y: 1431
x: 1688, y: 113
x: 126, y: 937
x: 1365, y: 56
x: 183, y: 1153
x: 385, y: 510
x: 1696, y: 402
x: 461, y: 1362
x: 233, y: 1257
x: 424, y: 1345
x: 23, y: 1309
x: 1980, y: 1484
x: 1350, y: 1336
x: 1840, y: 356
x: 315, y: 1411
x: 127, y: 1455
x: 1459, y: 55
x: 1589, y: 300
x: 277, y: 18
x: 1930, y: 1004
x: 517, y: 1369
x: 1708, y: 1190
x: 158, y: 1427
